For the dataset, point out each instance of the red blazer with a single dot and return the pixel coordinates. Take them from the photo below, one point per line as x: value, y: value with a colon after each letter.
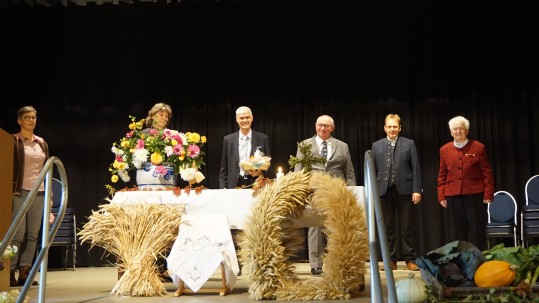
x: 465, y: 171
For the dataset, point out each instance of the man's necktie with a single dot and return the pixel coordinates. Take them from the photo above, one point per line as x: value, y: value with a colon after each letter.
x: 244, y: 152
x: 324, y: 151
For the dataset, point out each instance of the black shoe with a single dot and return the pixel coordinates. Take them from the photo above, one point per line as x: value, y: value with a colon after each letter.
x: 316, y: 271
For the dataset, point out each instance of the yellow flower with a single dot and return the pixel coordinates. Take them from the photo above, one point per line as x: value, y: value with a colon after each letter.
x: 133, y: 125
x: 173, y: 142
x: 182, y: 155
x: 121, y: 165
x: 203, y: 139
x: 116, y: 164
x: 156, y: 158
x: 114, y: 178
x: 124, y: 144
x: 140, y: 124
x: 193, y: 137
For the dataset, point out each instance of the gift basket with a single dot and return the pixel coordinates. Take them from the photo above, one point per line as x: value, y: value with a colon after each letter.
x: 256, y: 162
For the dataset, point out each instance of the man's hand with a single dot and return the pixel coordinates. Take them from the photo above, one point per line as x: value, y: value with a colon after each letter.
x: 255, y: 172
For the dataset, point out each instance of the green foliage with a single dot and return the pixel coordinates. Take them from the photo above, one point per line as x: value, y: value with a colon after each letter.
x: 308, y: 158
x: 493, y: 296
x: 527, y: 260
x: 522, y: 291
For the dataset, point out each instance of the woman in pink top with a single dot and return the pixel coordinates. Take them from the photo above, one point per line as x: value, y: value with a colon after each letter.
x: 30, y: 155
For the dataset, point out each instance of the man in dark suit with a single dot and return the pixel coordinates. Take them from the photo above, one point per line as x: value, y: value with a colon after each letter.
x: 339, y: 164
x: 239, y: 146
x: 398, y: 176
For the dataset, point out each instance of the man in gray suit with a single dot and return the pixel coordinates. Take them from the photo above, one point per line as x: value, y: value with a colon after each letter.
x: 398, y: 176
x: 339, y: 164
x: 239, y: 146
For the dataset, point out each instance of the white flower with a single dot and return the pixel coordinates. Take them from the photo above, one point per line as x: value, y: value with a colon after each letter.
x: 169, y: 151
x: 124, y: 175
x: 139, y: 157
x: 184, y: 138
x: 11, y: 250
x: 188, y: 174
x: 117, y: 151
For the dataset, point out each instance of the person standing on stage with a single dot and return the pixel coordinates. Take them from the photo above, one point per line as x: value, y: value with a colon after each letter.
x: 339, y: 164
x: 465, y: 184
x: 398, y: 176
x: 158, y: 117
x: 240, y: 146
x: 30, y: 154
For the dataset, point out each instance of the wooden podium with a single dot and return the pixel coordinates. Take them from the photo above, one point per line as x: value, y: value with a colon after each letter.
x: 6, y: 187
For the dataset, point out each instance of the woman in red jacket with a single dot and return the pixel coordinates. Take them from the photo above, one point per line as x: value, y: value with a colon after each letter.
x: 465, y: 184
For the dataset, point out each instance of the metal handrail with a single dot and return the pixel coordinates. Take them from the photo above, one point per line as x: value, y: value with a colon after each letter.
x: 48, y: 232
x: 374, y: 215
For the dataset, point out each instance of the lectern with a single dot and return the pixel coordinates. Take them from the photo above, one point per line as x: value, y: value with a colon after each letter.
x: 6, y: 186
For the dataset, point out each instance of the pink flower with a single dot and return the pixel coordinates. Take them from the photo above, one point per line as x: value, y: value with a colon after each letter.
x: 140, y: 144
x: 193, y: 151
x: 154, y: 132
x: 160, y: 169
x: 130, y: 134
x: 178, y: 149
x: 119, y: 158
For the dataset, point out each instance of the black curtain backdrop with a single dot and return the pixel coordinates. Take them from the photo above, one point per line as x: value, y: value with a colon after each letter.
x: 86, y: 69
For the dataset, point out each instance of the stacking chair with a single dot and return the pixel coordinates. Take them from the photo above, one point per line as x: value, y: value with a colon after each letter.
x: 66, y: 237
x: 529, y: 217
x: 502, y: 217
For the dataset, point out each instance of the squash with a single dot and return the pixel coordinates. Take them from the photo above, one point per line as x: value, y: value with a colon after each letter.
x: 410, y: 289
x: 495, y: 273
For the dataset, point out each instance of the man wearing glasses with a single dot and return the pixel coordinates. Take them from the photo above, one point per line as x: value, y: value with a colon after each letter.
x: 339, y: 164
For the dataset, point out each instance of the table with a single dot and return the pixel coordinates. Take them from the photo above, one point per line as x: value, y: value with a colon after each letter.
x: 236, y: 204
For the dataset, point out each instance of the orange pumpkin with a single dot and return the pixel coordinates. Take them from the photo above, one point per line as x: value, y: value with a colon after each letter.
x: 495, y: 273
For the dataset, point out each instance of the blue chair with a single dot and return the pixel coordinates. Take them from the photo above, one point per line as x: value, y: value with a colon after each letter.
x: 529, y: 216
x: 66, y: 237
x: 502, y: 217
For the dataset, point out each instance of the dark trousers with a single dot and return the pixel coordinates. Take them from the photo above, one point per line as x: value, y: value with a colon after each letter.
x: 398, y: 209
x: 468, y: 218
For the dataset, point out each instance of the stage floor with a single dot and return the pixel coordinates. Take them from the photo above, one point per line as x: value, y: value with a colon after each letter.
x: 93, y: 284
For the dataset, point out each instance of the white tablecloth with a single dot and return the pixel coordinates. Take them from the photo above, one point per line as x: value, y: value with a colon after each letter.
x: 236, y: 204
x: 204, y: 241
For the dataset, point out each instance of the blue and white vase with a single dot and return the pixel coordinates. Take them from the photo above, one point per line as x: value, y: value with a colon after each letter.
x: 148, y: 178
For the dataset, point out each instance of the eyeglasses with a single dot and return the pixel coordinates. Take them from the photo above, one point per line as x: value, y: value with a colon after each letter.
x: 29, y: 118
x: 392, y: 126
x: 323, y: 125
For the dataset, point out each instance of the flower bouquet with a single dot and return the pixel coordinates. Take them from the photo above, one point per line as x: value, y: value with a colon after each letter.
x: 160, y: 147
x: 8, y: 254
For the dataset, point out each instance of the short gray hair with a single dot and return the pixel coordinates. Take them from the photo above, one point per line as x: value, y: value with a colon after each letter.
x: 459, y: 120
x: 243, y: 110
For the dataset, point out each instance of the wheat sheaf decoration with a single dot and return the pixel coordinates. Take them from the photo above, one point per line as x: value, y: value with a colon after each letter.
x: 270, y: 240
x: 136, y: 234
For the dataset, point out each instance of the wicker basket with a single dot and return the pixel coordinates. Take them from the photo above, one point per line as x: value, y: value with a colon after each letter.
x: 261, y: 163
